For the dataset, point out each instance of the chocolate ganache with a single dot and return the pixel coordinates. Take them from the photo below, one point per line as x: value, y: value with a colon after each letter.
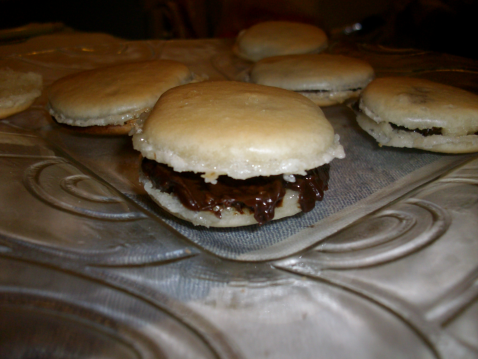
x: 425, y: 132
x: 261, y: 195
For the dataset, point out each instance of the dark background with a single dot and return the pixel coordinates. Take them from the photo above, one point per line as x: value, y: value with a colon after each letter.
x: 439, y: 25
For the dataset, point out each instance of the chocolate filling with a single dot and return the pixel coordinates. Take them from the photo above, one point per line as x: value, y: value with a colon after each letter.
x: 261, y: 195
x: 425, y: 132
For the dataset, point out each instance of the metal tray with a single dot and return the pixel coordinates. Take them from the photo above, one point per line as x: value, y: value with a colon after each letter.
x: 385, y: 267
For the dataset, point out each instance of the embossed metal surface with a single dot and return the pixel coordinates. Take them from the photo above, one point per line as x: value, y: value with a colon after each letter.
x: 385, y: 267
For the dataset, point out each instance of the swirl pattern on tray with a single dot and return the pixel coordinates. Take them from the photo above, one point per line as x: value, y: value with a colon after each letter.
x: 393, y: 278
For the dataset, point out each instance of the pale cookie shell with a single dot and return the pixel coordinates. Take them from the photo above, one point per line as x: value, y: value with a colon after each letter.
x: 329, y: 98
x: 388, y: 136
x: 312, y: 72
x: 421, y: 104
x: 114, y: 95
x: 324, y: 78
x: 18, y: 91
x: 237, y: 129
x: 272, y: 38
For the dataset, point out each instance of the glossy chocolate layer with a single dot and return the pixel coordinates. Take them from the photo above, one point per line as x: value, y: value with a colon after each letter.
x: 261, y: 195
x: 425, y: 132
